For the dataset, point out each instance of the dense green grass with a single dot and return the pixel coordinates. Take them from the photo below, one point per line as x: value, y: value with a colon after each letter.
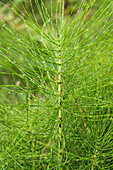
x: 29, y: 99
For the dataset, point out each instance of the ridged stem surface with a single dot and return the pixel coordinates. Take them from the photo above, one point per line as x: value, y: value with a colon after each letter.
x: 59, y: 98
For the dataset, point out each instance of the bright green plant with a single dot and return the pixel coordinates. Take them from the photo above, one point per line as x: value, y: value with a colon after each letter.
x: 56, y: 110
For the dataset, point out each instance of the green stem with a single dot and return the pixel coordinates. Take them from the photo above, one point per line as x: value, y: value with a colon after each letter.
x: 59, y: 100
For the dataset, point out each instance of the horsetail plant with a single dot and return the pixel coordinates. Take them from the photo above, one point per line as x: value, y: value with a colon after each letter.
x: 56, y: 84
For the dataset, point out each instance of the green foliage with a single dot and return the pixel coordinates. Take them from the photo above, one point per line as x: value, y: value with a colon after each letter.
x: 29, y: 70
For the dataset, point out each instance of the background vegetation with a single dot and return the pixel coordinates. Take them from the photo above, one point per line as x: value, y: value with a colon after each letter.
x: 33, y: 36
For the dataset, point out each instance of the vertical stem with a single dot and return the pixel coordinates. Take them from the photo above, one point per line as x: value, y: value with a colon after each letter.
x: 27, y: 103
x: 59, y: 99
x: 29, y: 125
